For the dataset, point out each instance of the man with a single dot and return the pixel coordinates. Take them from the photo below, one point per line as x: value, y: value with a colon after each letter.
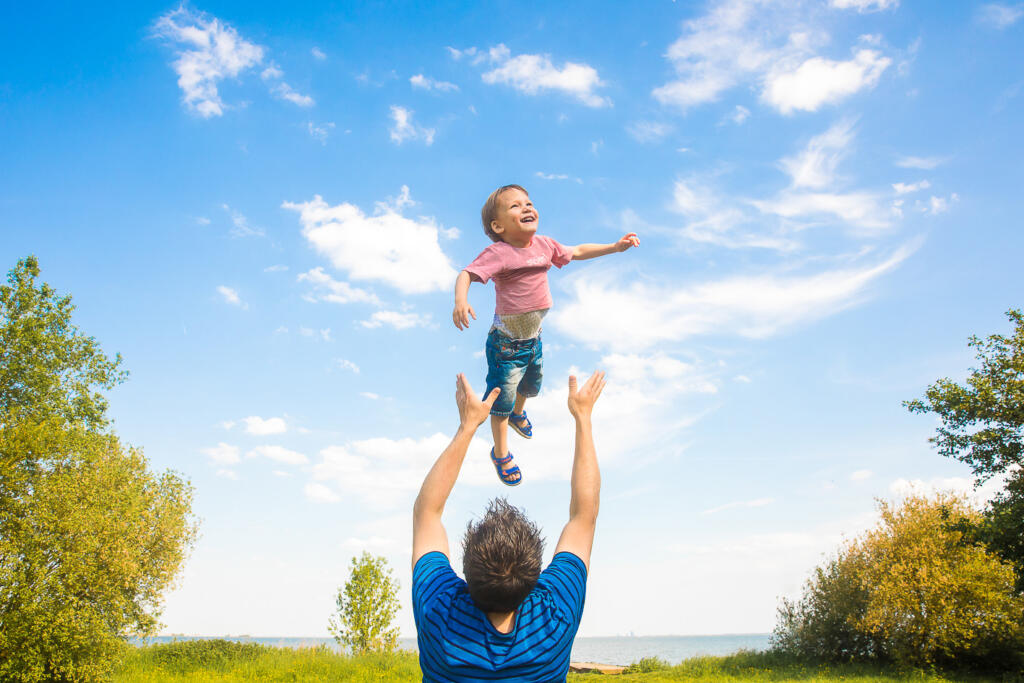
x: 507, y: 620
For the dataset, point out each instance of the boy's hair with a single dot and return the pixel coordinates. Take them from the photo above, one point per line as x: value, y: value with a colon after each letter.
x: 501, y: 557
x: 490, y: 210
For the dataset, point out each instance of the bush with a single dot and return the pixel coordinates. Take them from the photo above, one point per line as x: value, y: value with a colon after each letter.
x: 914, y: 591
x: 183, y: 656
x: 646, y: 665
x: 366, y: 606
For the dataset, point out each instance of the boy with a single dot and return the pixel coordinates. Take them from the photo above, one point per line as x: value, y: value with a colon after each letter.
x: 518, y: 262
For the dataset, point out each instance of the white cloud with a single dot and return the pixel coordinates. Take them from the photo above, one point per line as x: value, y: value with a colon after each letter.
x: 209, y: 51
x: 459, y: 54
x: 819, y: 81
x: 320, y: 131
x: 606, y: 312
x: 858, y: 209
x: 370, y: 395
x: 387, y: 246
x: 924, y: 163
x: 861, y: 475
x: 240, y: 223
x: 424, y: 83
x: 227, y: 474
x: 936, y: 205
x: 648, y: 131
x: 557, y: 176
x: 815, y: 166
x: 231, y: 296
x: 276, y: 268
x: 1000, y: 16
x: 907, y: 188
x: 223, y: 454
x: 739, y: 114
x: 228, y: 424
x: 712, y: 219
x: 286, y: 92
x: 404, y: 129
x: 742, y: 378
x: 346, y: 364
x: 318, y: 54
x: 278, y: 454
x: 399, y: 321
x: 532, y: 74
x: 759, y: 502
x: 202, y: 220
x: 320, y: 493
x: 263, y: 427
x: 866, y: 5
x: 961, y: 486
x: 334, y: 291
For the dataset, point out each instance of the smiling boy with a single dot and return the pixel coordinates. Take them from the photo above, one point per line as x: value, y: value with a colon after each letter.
x: 518, y: 262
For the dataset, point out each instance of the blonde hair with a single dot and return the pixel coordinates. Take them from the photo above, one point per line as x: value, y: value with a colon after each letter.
x: 490, y: 210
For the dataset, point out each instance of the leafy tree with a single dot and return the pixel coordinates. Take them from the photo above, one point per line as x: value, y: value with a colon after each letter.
x: 983, y: 426
x: 911, y: 591
x: 89, y: 537
x: 366, y: 606
x: 48, y: 367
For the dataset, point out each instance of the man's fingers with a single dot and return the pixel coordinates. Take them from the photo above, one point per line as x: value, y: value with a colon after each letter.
x: 492, y: 397
x: 472, y: 313
x: 572, y: 384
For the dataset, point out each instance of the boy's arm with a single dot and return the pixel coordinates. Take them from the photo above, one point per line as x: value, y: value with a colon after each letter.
x: 460, y: 316
x: 428, y: 533
x: 582, y: 252
x: 578, y: 535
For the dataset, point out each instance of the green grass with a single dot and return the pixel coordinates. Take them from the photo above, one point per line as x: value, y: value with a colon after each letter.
x: 220, y: 660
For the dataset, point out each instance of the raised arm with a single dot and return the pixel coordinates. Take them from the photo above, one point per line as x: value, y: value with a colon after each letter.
x: 460, y: 316
x: 582, y: 252
x: 578, y: 535
x: 428, y: 533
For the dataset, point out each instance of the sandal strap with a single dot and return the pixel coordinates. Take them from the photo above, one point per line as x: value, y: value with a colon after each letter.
x: 501, y: 461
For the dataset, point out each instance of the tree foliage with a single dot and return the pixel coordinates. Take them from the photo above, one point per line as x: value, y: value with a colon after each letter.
x: 89, y: 537
x: 366, y: 606
x: 983, y: 426
x: 914, y: 590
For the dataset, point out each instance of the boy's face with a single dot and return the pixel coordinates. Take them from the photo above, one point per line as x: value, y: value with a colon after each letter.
x: 517, y: 220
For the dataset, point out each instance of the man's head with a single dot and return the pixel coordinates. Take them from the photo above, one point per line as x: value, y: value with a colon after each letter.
x: 508, y: 215
x: 501, y: 557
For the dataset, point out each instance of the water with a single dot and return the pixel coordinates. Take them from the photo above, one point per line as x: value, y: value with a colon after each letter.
x: 609, y: 650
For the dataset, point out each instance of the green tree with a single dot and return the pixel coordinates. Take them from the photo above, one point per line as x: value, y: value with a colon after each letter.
x: 983, y: 426
x: 366, y: 606
x: 89, y: 537
x: 912, y: 591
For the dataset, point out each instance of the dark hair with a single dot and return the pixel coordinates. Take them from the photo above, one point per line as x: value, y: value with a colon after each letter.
x: 490, y: 210
x: 501, y: 556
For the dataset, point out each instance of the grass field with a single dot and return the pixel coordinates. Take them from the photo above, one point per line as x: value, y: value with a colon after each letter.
x: 220, y: 660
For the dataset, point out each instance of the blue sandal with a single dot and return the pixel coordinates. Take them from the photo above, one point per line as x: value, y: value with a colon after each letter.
x: 521, y: 424
x: 506, y: 475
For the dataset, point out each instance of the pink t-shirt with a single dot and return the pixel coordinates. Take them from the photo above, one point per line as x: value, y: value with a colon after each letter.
x: 520, y: 275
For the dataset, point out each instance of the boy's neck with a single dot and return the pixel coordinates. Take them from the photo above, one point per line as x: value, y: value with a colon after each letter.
x: 520, y: 243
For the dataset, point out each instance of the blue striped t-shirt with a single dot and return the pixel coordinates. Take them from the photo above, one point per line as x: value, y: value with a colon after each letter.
x: 458, y: 643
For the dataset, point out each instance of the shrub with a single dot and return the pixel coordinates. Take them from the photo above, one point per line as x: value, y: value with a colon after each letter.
x: 366, y: 606
x: 646, y: 665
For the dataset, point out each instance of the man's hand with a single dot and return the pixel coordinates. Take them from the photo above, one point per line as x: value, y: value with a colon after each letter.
x: 460, y: 316
x: 628, y: 240
x: 472, y: 411
x: 581, y: 401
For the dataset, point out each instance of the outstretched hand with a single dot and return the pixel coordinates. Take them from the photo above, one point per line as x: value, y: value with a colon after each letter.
x: 582, y: 400
x: 628, y: 240
x: 460, y: 315
x: 472, y: 411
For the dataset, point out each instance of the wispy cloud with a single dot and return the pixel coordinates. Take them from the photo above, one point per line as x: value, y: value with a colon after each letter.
x: 907, y: 188
x: 386, y: 247
x: 425, y: 83
x: 320, y: 493
x: 648, y: 131
x: 231, y: 296
x: 397, y: 320
x: 923, y: 163
x: 865, y: 5
x: 815, y: 165
x: 607, y: 312
x: 209, y: 51
x: 264, y: 427
x: 756, y: 503
x: 999, y: 16
x: 403, y: 128
x: 346, y: 364
x: 326, y: 288
x: 534, y: 74
x: 278, y: 454
x: 223, y: 454
x: 820, y: 81
x: 318, y: 54
x: 320, y: 131
x: 240, y: 224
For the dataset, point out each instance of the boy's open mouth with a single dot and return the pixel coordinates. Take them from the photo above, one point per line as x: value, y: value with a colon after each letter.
x: 528, y: 219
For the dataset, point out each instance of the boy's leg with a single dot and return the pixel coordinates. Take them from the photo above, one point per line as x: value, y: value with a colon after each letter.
x: 504, y: 370
x: 520, y: 404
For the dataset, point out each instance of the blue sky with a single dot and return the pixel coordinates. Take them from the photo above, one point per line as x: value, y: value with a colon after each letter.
x: 263, y: 207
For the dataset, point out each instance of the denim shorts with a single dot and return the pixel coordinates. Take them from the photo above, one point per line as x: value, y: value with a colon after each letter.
x: 514, y: 366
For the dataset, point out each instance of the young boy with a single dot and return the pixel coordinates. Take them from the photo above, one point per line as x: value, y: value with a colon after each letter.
x: 518, y: 262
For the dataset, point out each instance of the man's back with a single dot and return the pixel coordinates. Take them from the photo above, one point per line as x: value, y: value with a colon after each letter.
x: 458, y: 643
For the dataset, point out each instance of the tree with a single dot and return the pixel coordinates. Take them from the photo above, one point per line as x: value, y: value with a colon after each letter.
x: 366, y: 606
x: 913, y: 590
x: 89, y: 537
x: 983, y: 426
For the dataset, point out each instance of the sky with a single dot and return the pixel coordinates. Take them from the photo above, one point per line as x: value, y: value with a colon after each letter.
x: 263, y: 207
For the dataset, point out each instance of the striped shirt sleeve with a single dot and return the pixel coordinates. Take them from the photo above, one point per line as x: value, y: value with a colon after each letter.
x: 566, y: 580
x: 433, y: 582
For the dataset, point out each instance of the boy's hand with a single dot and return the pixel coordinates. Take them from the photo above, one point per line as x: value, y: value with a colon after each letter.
x: 581, y: 401
x: 628, y: 240
x: 460, y: 316
x: 472, y: 411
